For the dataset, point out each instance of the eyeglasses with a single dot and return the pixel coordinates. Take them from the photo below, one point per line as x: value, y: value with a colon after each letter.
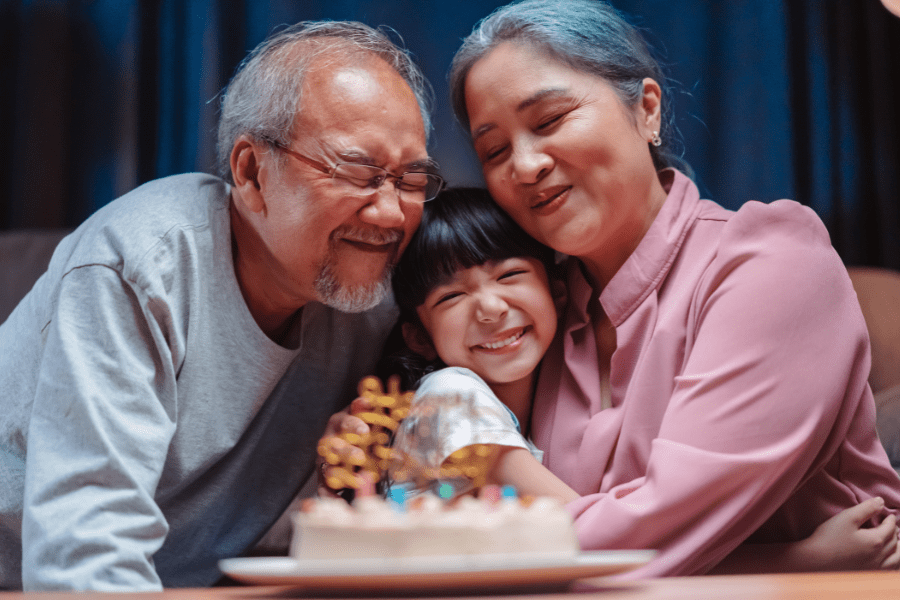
x: 359, y: 179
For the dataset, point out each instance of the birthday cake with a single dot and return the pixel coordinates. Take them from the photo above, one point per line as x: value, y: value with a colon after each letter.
x: 413, y: 521
x: 330, y: 528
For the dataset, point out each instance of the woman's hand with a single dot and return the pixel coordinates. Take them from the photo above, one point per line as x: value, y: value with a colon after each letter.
x: 842, y: 543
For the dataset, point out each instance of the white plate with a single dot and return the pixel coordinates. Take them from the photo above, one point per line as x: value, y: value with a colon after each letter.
x: 422, y: 573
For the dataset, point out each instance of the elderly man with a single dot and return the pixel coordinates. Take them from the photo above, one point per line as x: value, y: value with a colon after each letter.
x: 163, y: 385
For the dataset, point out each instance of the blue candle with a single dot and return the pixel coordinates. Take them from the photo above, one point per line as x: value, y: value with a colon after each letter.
x: 398, y: 495
x: 508, y: 492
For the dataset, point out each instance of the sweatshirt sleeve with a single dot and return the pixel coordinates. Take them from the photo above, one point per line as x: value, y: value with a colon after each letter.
x: 102, y: 421
x: 773, y: 375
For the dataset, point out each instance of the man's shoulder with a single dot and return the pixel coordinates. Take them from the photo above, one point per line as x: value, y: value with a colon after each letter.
x: 153, y: 208
x: 160, y: 216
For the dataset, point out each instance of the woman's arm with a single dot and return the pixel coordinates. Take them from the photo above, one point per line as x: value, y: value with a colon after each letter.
x: 767, y: 391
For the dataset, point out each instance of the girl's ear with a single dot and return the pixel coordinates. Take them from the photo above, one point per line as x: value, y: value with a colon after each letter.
x: 418, y: 340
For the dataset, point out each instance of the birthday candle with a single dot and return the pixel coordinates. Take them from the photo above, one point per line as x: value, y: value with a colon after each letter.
x: 490, y: 493
x: 445, y: 491
x: 398, y: 496
x: 367, y: 487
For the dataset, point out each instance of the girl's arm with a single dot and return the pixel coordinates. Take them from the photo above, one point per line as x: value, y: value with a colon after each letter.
x: 517, y: 467
x: 839, y: 544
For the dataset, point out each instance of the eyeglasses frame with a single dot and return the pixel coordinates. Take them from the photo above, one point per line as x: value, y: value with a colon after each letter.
x: 330, y: 171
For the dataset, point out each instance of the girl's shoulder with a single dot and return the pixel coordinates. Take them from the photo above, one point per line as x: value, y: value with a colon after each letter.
x: 453, y: 379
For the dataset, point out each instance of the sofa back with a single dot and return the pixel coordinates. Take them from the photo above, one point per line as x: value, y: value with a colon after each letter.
x: 24, y: 256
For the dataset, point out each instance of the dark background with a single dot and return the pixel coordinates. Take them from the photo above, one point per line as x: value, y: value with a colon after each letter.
x: 774, y: 98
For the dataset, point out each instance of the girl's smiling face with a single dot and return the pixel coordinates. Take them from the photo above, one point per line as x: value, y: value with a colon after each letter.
x: 497, y: 319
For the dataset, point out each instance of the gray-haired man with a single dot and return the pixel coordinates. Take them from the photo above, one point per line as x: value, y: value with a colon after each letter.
x: 163, y: 385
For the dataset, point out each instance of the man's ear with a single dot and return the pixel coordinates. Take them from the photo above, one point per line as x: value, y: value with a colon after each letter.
x: 245, y: 170
x: 418, y: 340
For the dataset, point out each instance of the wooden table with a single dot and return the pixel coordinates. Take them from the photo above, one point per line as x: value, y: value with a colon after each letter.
x: 824, y: 586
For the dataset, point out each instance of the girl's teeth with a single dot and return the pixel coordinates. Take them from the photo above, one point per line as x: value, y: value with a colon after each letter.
x: 506, y: 342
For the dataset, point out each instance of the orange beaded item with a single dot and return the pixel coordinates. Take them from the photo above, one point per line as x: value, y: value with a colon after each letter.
x: 473, y: 462
x: 389, y: 408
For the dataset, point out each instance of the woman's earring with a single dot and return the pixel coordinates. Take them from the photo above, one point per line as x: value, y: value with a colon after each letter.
x: 656, y: 140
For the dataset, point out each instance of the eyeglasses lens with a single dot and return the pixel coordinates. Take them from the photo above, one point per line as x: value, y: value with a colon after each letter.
x: 412, y: 186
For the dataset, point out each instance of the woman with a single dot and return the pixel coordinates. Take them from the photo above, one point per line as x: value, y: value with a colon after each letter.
x: 708, y: 385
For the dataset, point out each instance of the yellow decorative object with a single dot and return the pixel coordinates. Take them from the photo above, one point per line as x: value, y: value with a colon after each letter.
x: 388, y: 408
x: 472, y: 461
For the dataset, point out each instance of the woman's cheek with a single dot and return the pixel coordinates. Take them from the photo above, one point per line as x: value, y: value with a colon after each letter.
x: 500, y: 187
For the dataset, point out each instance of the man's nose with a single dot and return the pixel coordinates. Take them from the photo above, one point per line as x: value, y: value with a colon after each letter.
x: 385, y: 208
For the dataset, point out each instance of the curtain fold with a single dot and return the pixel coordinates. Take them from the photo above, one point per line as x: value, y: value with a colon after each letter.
x: 774, y: 98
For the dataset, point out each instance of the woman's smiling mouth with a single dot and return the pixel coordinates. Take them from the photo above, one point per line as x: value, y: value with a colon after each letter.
x: 549, y: 199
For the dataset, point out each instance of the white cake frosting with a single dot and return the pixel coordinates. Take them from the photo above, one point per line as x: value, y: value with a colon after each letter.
x: 329, y: 528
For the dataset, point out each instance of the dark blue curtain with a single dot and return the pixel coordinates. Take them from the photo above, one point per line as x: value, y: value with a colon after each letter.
x: 774, y: 98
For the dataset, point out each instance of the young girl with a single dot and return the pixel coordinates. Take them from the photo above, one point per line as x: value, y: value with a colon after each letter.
x: 477, y: 313
x: 474, y: 292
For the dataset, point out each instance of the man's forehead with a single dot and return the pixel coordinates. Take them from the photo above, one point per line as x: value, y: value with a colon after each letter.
x: 360, y: 108
x: 357, y: 75
x: 358, y: 83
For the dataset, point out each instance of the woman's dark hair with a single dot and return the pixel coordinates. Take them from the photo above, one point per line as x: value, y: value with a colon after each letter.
x: 460, y: 229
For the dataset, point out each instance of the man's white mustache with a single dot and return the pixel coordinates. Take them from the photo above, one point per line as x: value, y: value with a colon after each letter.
x: 376, y: 237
